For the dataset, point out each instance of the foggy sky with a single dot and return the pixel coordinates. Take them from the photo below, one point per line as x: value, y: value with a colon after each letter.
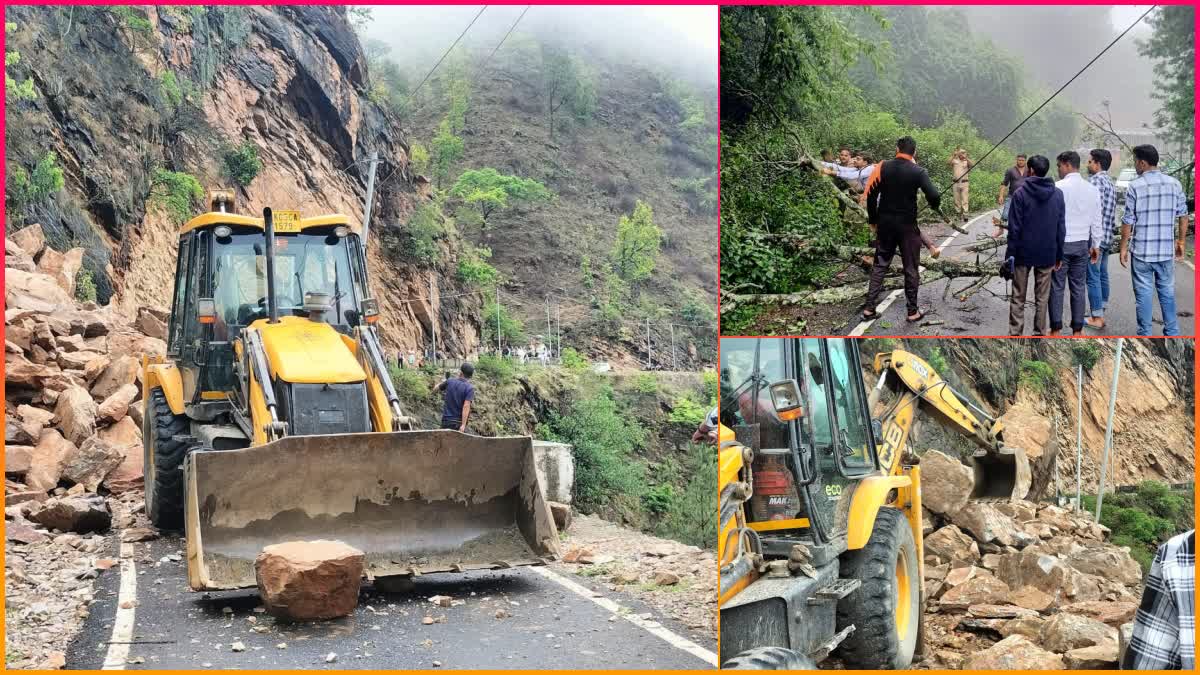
x: 1056, y: 41
x: 679, y: 39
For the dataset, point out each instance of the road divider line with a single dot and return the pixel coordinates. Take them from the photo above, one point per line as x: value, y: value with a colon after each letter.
x: 865, y: 325
x: 652, y: 627
x: 122, y: 633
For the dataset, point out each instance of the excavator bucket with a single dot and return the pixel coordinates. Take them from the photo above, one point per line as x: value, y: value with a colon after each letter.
x: 413, y: 502
x: 1001, y: 475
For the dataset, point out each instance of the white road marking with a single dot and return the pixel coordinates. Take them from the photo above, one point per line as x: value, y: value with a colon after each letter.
x: 122, y: 633
x: 652, y: 627
x: 865, y: 325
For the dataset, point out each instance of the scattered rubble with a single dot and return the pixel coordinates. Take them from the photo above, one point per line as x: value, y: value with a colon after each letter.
x: 309, y: 580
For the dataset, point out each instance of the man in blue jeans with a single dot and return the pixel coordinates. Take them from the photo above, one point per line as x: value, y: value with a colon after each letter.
x: 1155, y: 218
x: 1097, y: 273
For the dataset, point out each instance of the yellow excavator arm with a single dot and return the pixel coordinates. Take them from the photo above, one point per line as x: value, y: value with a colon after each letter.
x: 1000, y: 471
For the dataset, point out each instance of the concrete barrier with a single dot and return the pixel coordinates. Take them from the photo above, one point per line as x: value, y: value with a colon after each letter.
x: 555, y: 464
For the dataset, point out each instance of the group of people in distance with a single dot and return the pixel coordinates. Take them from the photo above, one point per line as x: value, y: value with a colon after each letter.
x: 1059, y: 232
x: 1062, y: 233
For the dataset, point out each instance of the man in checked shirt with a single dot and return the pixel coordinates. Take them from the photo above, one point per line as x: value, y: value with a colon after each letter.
x: 1097, y: 272
x: 1164, y: 630
x: 1156, y: 217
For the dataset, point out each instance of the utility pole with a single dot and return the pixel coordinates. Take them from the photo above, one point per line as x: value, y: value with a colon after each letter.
x: 499, y: 350
x: 549, y: 329
x: 558, y: 321
x: 370, y: 198
x: 1112, y: 406
x: 434, y: 315
x: 1079, y: 439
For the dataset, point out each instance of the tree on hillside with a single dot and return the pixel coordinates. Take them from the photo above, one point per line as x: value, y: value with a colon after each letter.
x: 487, y: 190
x: 1173, y: 48
x: 566, y: 83
x: 447, y: 148
x: 389, y: 85
x: 636, y: 250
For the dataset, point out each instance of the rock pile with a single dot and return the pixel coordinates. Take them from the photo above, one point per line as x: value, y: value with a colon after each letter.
x: 72, y: 442
x: 1018, y: 585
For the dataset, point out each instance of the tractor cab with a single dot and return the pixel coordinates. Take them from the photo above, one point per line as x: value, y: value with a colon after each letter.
x: 800, y: 405
x: 223, y: 284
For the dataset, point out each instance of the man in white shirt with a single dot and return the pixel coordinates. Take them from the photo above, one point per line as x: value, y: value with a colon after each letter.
x: 1081, y: 245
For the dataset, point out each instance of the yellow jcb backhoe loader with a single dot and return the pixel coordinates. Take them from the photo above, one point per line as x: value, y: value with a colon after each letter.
x: 273, y: 418
x: 820, y: 534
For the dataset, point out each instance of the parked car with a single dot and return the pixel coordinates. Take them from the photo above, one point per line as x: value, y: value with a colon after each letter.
x: 1122, y: 183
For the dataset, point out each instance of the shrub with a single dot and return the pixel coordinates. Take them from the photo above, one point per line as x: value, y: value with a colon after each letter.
x: 512, y: 330
x: 425, y: 228
x: 1036, y: 375
x: 177, y: 193
x: 418, y: 159
x: 474, y: 269
x: 242, y: 163
x: 645, y: 383
x: 411, y: 384
x: 938, y: 361
x: 711, y: 385
x: 495, y: 368
x: 686, y: 411
x: 604, y: 442
x: 24, y: 189
x: 1086, y: 353
x: 1145, y: 518
x: 85, y: 286
x: 657, y: 499
x: 691, y: 514
x: 170, y: 88
x: 573, y: 360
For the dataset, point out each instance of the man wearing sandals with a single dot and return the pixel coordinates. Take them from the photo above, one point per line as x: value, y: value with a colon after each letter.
x: 892, y: 210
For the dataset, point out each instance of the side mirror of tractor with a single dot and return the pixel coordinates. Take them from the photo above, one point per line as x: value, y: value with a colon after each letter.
x: 370, y: 310
x: 785, y: 396
x: 206, y: 310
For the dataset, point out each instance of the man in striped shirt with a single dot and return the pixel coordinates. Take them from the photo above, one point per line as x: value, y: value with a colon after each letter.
x: 1097, y: 273
x: 1156, y: 217
x: 1164, y: 629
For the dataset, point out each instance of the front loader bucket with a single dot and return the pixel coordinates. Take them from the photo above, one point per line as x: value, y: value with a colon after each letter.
x: 413, y: 501
x: 1001, y: 475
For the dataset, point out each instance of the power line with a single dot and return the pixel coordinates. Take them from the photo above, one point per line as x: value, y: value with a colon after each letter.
x: 1047, y: 101
x: 510, y: 30
x: 439, y: 62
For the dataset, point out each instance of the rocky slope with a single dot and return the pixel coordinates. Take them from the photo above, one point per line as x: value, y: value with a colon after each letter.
x: 1153, y: 426
x: 122, y: 95
x: 1018, y: 585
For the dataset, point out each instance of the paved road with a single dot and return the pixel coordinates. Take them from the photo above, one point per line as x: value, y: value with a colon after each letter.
x: 548, y: 626
x: 986, y: 312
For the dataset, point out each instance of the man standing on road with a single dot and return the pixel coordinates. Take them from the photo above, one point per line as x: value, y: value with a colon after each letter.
x: 892, y: 210
x: 1037, y: 227
x: 1080, y: 247
x: 1154, y: 202
x: 1008, y: 186
x: 1097, y: 273
x: 960, y: 164
x: 460, y: 394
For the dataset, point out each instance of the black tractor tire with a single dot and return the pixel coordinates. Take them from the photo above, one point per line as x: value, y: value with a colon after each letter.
x: 876, y: 643
x: 164, y: 446
x: 770, y: 658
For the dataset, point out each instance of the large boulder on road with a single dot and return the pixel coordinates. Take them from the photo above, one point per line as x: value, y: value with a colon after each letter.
x: 1014, y: 652
x: 309, y: 580
x: 87, y: 513
x: 946, y: 483
x: 1064, y: 632
x: 76, y: 413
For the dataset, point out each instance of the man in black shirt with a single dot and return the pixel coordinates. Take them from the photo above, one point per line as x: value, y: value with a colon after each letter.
x: 460, y: 394
x: 892, y: 208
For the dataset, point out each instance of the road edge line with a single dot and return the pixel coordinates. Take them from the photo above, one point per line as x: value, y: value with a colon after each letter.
x: 123, y: 620
x: 658, y: 630
x: 865, y: 325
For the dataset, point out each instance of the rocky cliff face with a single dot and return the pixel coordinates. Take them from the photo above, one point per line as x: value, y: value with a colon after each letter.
x: 122, y: 96
x: 1153, y: 424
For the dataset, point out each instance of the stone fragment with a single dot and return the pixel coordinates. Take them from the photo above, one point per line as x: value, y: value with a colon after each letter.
x: 309, y: 580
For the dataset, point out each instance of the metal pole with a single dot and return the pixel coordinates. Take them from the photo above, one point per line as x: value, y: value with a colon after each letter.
x: 498, y: 348
x: 433, y: 321
x: 558, y: 321
x: 1112, y: 406
x: 370, y: 198
x: 649, y: 347
x: 1079, y: 440
x: 549, y: 343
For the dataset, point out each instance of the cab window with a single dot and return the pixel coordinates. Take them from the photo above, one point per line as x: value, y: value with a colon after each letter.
x: 852, y: 417
x: 182, y: 266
